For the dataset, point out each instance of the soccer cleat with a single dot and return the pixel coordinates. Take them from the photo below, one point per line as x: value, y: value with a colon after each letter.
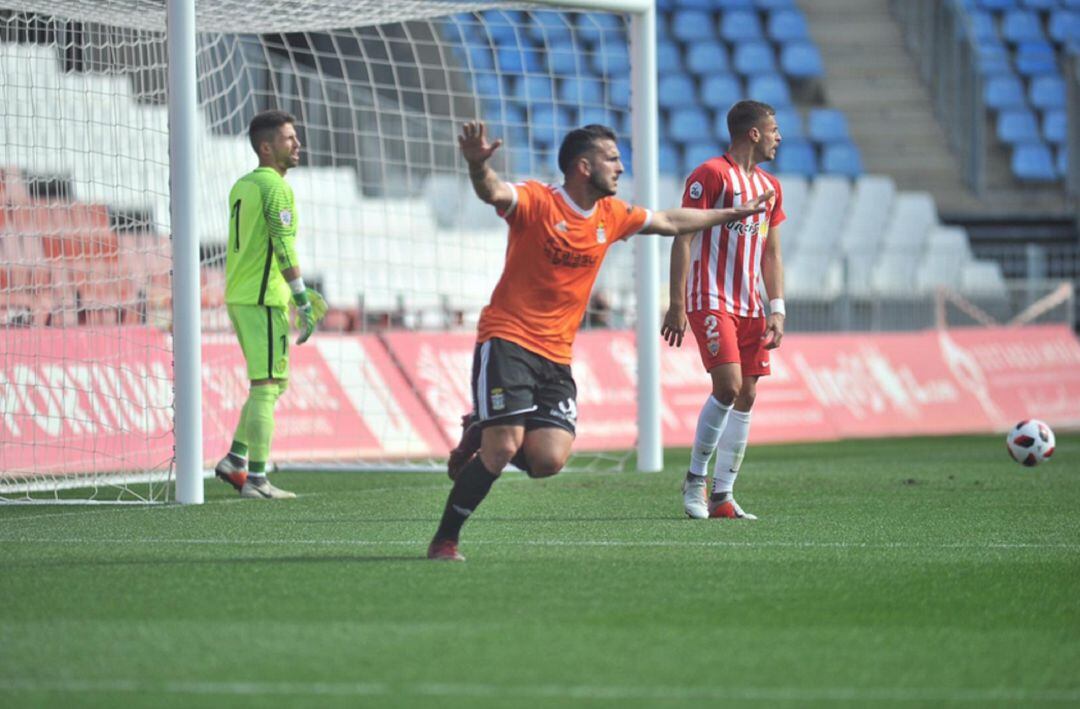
x: 444, y: 550
x: 228, y: 471
x: 261, y: 489
x: 466, y: 447
x: 728, y: 509
x: 694, y: 497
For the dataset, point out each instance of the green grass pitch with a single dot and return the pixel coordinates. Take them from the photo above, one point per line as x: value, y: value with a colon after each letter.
x: 922, y: 572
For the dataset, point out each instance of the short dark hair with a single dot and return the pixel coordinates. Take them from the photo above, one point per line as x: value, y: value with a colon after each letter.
x: 265, y: 124
x: 580, y: 141
x: 745, y: 115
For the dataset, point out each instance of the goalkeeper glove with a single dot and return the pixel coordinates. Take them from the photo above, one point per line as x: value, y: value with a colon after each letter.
x: 310, y: 309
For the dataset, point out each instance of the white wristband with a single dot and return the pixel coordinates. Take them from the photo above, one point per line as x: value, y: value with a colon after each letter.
x: 297, y: 286
x: 776, y: 307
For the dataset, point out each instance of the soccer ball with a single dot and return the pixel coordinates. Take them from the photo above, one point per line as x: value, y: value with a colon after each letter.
x: 1030, y: 442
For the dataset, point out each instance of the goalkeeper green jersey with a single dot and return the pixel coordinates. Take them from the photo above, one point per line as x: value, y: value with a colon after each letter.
x: 262, y: 240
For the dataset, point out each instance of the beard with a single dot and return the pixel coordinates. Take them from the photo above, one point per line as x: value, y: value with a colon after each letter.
x: 599, y: 186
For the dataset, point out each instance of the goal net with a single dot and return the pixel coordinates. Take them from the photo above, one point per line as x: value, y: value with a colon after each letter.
x: 389, y: 230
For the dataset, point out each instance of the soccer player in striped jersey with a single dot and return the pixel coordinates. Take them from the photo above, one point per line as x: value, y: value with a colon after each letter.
x: 714, y: 284
x: 262, y: 276
x: 523, y: 389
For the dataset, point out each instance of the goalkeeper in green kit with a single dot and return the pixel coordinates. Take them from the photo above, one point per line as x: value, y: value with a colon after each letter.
x: 262, y: 277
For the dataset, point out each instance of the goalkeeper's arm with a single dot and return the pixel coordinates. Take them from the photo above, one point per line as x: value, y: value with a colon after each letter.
x: 310, y: 306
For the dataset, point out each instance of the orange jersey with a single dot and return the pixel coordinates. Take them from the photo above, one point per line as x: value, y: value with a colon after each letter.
x: 553, y: 254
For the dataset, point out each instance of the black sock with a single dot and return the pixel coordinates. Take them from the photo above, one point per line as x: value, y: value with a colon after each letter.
x: 521, y: 462
x: 470, y: 489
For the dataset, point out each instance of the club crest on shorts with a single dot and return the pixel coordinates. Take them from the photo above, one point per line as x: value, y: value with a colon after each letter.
x: 714, y: 346
x: 498, y: 398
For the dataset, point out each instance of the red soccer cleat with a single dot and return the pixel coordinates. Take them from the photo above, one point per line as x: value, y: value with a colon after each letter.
x: 466, y: 447
x: 728, y: 509
x: 229, y: 472
x: 444, y: 550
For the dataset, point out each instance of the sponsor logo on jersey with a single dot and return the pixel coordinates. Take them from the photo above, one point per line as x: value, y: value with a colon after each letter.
x: 561, y: 256
x: 744, y: 229
x: 285, y: 216
x: 695, y: 190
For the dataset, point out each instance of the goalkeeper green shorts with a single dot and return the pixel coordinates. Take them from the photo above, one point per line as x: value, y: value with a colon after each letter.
x: 264, y: 337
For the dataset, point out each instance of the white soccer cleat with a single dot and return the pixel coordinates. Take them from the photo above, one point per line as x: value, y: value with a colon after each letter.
x: 694, y: 497
x: 728, y: 509
x: 261, y: 489
x: 228, y: 471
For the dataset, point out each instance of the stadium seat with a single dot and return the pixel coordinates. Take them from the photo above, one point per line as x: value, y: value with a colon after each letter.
x: 997, y: 5
x: 706, y: 59
x: 1017, y: 125
x: 1033, y: 162
x: 562, y: 58
x: 1047, y: 92
x: 829, y: 196
x: 983, y: 278
x: 675, y: 90
x: 754, y: 58
x: 502, y: 25
x: 913, y: 216
x: 790, y: 122
x: 1064, y: 26
x: 669, y: 58
x: 769, y: 88
x: 592, y: 27
x: 797, y: 157
x: 868, y: 214
x: 1034, y: 58
x: 826, y: 125
x: 739, y: 27
x: 841, y: 158
x: 982, y: 26
x: 1061, y: 161
x: 581, y: 90
x: 479, y: 57
x: 726, y: 5
x: 698, y: 152
x: 775, y: 4
x: 796, y: 189
x: 1022, y: 26
x: 689, y: 124
x: 550, y: 27
x: 1039, y: 4
x: 690, y: 26
x: 618, y: 92
x: 720, y: 92
x: 802, y: 60
x: 517, y: 60
x: 612, y: 60
x: 993, y: 58
x: 707, y: 5
x: 1055, y: 125
x: 533, y: 89
x: 720, y: 127
x: 549, y: 124
x: 787, y: 26
x: 668, y: 158
x: 1006, y: 91
x: 598, y: 115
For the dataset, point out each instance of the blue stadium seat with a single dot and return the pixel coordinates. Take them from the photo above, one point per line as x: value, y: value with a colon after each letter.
x: 502, y: 25
x: 753, y: 58
x: 696, y: 153
x: 720, y: 129
x: 1047, y: 92
x: 517, y: 60
x: 993, y: 57
x: 997, y: 5
x: 720, y: 91
x: 796, y: 157
x: 1017, y: 125
x: 593, y: 26
x: 581, y: 89
x: 487, y: 85
x: 690, y: 26
x: 479, y: 57
x: 982, y: 25
x: 775, y: 4
x: 827, y: 125
x: 618, y: 92
x: 669, y: 58
x: 626, y: 154
x: 1032, y: 162
x: 1035, y: 58
x: 675, y: 90
x: 1022, y: 26
x: 599, y: 115
x: 1006, y: 91
x: 689, y: 124
x: 787, y: 26
x: 705, y: 59
x: 668, y: 158
x: 739, y: 26
x: 769, y: 88
x: 802, y: 60
x: 1039, y: 4
x: 1064, y: 26
x: 1055, y: 126
x: 1061, y: 162
x: 726, y: 5
x: 549, y: 124
x: 841, y: 159
x: 708, y: 5
x: 612, y: 60
x: 790, y: 122
x: 533, y: 88
x: 550, y: 27
x: 562, y: 58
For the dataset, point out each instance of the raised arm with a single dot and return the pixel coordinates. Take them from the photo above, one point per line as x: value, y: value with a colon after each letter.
x: 485, y: 181
x: 682, y: 220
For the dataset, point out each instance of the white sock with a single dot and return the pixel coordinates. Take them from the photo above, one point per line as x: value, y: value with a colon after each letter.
x: 709, y: 425
x: 730, y: 451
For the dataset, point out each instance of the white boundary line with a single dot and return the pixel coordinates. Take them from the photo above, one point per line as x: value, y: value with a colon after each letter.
x: 674, y: 543
x: 920, y: 695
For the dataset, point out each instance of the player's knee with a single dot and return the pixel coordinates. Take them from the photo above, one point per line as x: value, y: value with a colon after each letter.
x: 725, y: 393
x: 545, y: 465
x: 496, y: 456
x: 745, y: 400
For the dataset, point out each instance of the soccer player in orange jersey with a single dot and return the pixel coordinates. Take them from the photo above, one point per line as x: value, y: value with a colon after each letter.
x: 523, y: 390
x: 714, y: 283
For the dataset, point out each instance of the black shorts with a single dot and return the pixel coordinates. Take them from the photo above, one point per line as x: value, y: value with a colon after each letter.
x: 512, y: 386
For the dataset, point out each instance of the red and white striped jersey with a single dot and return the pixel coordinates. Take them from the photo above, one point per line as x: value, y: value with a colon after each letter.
x: 725, y: 260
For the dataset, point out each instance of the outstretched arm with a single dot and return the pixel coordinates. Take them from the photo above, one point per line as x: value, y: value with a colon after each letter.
x: 686, y: 221
x: 485, y: 181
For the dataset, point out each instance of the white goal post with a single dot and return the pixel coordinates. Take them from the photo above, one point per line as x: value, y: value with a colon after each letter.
x: 125, y: 103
